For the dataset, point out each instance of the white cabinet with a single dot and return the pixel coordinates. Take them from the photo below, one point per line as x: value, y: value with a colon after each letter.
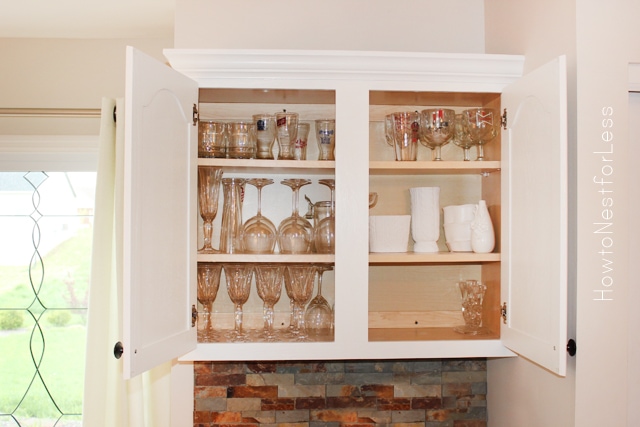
x: 386, y: 305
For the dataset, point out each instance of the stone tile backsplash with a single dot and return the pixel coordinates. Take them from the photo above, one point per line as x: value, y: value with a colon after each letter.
x: 399, y: 393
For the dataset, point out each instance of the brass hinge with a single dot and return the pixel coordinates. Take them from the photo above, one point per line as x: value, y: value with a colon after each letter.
x: 503, y: 312
x: 194, y: 315
x: 503, y: 122
x: 195, y: 115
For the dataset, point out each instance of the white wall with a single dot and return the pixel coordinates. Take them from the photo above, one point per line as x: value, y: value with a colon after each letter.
x: 398, y: 25
x: 63, y: 73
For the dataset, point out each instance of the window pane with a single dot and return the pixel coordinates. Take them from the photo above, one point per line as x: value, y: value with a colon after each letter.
x: 46, y: 220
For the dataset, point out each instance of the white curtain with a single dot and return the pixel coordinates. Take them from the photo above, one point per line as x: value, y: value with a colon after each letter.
x: 110, y: 401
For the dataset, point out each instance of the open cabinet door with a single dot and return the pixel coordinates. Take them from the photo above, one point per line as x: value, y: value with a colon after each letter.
x: 534, y: 215
x: 159, y: 246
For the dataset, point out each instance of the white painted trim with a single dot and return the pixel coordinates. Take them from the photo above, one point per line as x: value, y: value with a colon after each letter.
x: 65, y: 153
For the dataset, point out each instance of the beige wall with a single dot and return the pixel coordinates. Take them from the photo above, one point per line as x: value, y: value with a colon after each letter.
x: 398, y: 25
x: 63, y: 73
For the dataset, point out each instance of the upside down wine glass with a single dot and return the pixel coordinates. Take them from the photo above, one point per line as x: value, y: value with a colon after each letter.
x: 295, y: 232
x: 258, y: 232
x: 318, y: 317
x: 209, y: 178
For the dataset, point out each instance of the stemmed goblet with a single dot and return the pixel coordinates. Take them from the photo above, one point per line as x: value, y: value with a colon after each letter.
x: 295, y: 232
x: 483, y: 125
x: 258, y: 232
x: 208, y: 284
x: 325, y: 231
x: 209, y: 178
x: 461, y: 136
x: 298, y: 281
x: 238, y: 277
x: 269, y: 285
x: 318, y: 317
x: 436, y: 129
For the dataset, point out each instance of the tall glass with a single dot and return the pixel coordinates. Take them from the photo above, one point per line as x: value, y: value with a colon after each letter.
x: 472, y: 298
x: 287, y: 132
x: 209, y: 178
x: 230, y: 241
x: 326, y: 136
x: 265, y: 135
x: 295, y: 233
x: 300, y: 146
x: 406, y: 133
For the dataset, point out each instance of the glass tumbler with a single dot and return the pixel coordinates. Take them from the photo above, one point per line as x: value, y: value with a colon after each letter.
x: 265, y: 135
x: 241, y: 140
x: 287, y: 133
x: 326, y: 136
x: 212, y: 139
x: 300, y: 146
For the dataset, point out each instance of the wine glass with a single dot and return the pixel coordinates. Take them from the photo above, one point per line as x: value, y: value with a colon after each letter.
x: 208, y: 194
x: 258, y: 232
x: 208, y: 284
x: 325, y: 231
x: 299, y: 280
x: 461, y: 136
x: 238, y: 277
x: 483, y: 124
x: 319, y: 316
x: 295, y: 232
x: 436, y: 129
x: 269, y: 279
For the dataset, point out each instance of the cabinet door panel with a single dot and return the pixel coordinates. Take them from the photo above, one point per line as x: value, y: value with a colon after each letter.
x: 159, y: 198
x: 534, y: 213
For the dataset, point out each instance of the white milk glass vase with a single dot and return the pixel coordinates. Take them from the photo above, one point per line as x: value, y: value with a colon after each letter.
x: 483, y: 238
x: 425, y: 218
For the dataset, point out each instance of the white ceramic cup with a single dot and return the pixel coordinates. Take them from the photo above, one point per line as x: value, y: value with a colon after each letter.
x: 389, y: 233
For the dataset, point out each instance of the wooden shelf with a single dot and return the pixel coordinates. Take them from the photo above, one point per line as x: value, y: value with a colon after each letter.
x: 444, y: 167
x: 423, y: 258
x: 424, y: 334
x: 273, y: 166
x: 268, y: 258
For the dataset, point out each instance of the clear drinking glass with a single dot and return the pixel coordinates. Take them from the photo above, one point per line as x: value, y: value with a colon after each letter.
x: 287, y: 132
x: 241, y: 142
x: 209, y: 178
x: 299, y: 280
x: 324, y: 233
x: 406, y: 133
x: 208, y: 284
x: 483, y: 125
x: 300, y: 146
x: 318, y: 317
x: 295, y: 233
x: 326, y: 136
x: 436, y: 129
x: 258, y: 232
x: 212, y: 138
x: 230, y: 241
x: 238, y: 278
x: 265, y: 135
x: 472, y: 298
x: 388, y: 129
x: 461, y: 136
x: 269, y: 278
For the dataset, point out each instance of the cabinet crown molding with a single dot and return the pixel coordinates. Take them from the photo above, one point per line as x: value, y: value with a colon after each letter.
x: 487, y: 72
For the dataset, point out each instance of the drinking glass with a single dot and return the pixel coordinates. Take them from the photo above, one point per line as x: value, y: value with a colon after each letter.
x: 295, y: 233
x: 388, y: 129
x: 326, y: 136
x: 483, y: 125
x: 258, y: 232
x: 325, y: 230
x: 269, y: 279
x: 230, y: 241
x: 299, y: 280
x: 436, y: 129
x: 208, y: 284
x: 406, y: 133
x: 461, y: 136
x: 265, y: 135
x: 241, y: 140
x: 300, y: 146
x: 472, y: 297
x: 318, y: 317
x: 209, y: 178
x: 238, y: 277
x: 212, y: 139
x: 287, y: 132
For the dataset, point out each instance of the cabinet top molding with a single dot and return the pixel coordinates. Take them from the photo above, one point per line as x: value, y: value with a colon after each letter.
x: 221, y: 67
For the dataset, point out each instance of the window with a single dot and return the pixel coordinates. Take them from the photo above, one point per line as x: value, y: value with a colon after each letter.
x: 46, y: 221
